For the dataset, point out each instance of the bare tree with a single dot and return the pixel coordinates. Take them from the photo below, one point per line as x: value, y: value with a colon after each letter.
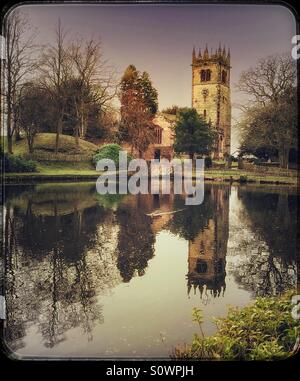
x: 95, y: 78
x: 270, y: 117
x: 272, y: 127
x: 18, y: 64
x: 269, y: 80
x: 55, y: 69
x: 33, y: 105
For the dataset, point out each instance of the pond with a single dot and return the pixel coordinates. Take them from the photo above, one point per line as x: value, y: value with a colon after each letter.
x: 100, y: 276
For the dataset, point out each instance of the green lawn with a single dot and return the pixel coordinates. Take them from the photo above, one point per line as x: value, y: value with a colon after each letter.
x: 236, y: 174
x: 76, y: 158
x: 45, y: 143
x: 66, y: 168
x: 58, y: 169
x: 69, y: 170
x: 76, y: 162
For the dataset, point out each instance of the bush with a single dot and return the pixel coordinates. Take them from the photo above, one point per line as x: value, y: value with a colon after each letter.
x: 264, y: 330
x: 16, y: 164
x: 243, y: 179
x: 109, y: 151
x: 257, y: 161
x: 208, y: 162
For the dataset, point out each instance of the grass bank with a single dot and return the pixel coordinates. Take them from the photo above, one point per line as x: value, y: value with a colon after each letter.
x: 73, y: 162
x: 84, y: 170
x: 236, y: 175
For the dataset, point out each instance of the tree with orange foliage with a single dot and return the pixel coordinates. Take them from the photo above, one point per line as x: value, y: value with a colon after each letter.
x: 138, y: 107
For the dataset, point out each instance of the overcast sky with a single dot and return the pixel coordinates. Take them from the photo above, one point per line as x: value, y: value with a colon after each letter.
x: 160, y: 38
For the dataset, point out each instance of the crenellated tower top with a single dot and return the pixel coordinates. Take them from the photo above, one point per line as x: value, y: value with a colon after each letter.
x: 220, y: 55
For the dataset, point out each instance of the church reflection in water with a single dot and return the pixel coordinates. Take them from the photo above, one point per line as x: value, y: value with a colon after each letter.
x: 207, y: 251
x: 66, y: 247
x: 205, y: 227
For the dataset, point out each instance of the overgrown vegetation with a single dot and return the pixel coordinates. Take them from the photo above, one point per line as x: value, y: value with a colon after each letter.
x: 269, y: 123
x: 208, y: 162
x: 193, y: 135
x: 264, y: 330
x: 16, y: 164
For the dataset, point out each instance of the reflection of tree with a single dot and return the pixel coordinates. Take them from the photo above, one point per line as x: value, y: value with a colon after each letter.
x: 269, y: 264
x: 56, y: 256
x: 15, y: 330
x: 135, y: 240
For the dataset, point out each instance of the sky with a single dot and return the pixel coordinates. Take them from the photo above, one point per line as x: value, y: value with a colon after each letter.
x: 159, y: 38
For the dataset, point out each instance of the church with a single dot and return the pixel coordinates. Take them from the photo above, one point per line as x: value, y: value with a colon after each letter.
x: 211, y: 94
x: 211, y: 99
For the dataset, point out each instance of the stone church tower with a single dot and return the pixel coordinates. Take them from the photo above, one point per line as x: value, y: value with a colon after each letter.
x: 211, y: 93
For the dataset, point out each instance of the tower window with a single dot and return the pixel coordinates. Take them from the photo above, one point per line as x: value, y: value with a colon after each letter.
x: 158, y: 135
x: 205, y: 75
x: 201, y: 267
x: 224, y: 76
x: 204, y: 113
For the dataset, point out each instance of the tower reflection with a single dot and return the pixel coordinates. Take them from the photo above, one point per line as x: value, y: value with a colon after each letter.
x: 207, y: 251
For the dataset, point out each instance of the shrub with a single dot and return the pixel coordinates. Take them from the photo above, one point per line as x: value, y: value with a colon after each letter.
x: 15, y: 164
x: 208, y: 162
x: 257, y: 161
x: 233, y: 158
x: 243, y: 179
x: 264, y: 330
x: 109, y: 151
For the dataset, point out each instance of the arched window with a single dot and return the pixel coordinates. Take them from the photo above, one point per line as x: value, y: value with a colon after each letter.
x: 201, y: 267
x: 158, y: 135
x: 224, y: 76
x: 204, y: 113
x: 205, y: 75
x: 208, y: 74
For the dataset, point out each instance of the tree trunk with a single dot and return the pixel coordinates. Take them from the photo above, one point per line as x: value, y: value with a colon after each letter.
x: 77, y: 134
x: 228, y: 161
x: 9, y: 127
x: 30, y: 144
x: 191, y: 156
x: 58, y: 132
x: 240, y: 163
x: 284, y: 156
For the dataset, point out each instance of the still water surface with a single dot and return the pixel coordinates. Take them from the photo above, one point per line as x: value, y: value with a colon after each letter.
x: 96, y: 276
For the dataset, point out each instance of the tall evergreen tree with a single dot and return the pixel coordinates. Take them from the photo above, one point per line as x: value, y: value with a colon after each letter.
x: 149, y: 92
x: 141, y: 86
x: 193, y: 135
x: 130, y: 80
x: 138, y: 106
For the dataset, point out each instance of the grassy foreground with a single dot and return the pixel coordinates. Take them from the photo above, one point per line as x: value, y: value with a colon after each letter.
x: 263, y: 330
